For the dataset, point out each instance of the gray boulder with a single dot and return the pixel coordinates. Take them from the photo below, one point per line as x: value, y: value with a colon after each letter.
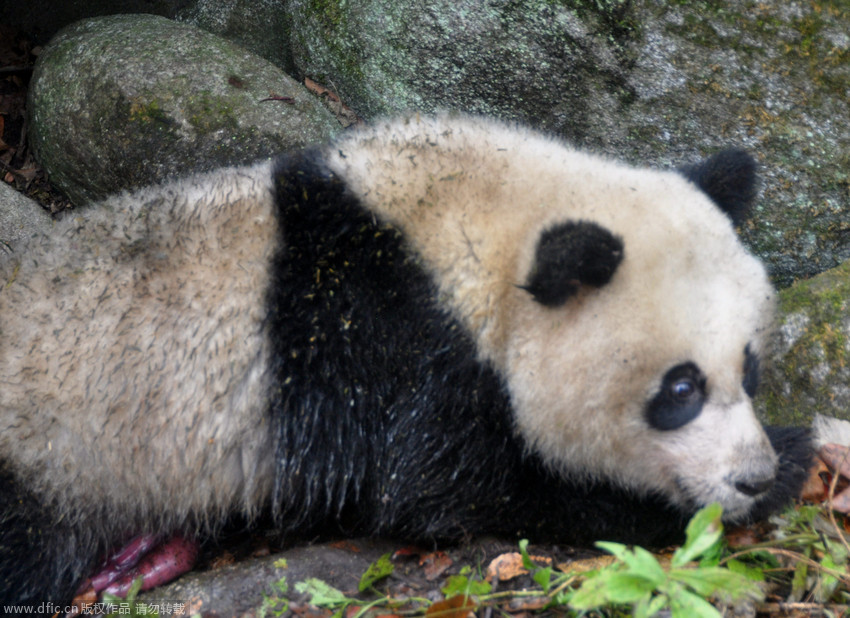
x: 129, y: 100
x: 20, y: 217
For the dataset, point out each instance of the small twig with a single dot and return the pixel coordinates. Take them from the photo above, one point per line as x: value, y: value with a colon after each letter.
x: 565, y: 584
x: 469, y: 244
x: 488, y: 613
x: 843, y: 577
x: 16, y: 69
x: 782, y: 607
x: 277, y: 97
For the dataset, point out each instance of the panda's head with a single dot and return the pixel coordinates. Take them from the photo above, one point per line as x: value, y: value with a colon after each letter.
x: 633, y: 345
x: 617, y: 303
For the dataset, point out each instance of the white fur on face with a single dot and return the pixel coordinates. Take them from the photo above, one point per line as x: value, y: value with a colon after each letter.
x: 702, y: 468
x: 473, y: 197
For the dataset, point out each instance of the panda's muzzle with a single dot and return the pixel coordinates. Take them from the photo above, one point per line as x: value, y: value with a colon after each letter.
x: 755, y: 486
x: 758, y: 477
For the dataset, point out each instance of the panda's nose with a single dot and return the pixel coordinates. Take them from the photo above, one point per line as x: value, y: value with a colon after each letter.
x: 754, y: 486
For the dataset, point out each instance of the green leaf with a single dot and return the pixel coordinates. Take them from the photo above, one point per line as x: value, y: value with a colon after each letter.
x: 706, y: 581
x: 273, y: 606
x: 828, y: 583
x: 592, y: 592
x: 628, y: 588
x: 281, y: 586
x: 618, y: 550
x: 526, y: 559
x: 703, y: 531
x: 752, y: 573
x: 462, y: 585
x: 456, y: 584
x: 684, y: 604
x: 646, y: 608
x: 543, y: 578
x: 478, y: 587
x: 798, y: 582
x: 322, y: 594
x: 638, y: 560
x: 611, y: 587
x: 377, y: 570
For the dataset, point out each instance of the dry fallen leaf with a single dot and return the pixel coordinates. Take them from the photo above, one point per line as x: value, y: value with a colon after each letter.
x: 505, y: 567
x: 743, y: 536
x: 344, y: 114
x: 346, y: 546
x: 459, y: 606
x: 320, y: 90
x: 816, y: 487
x: 509, y: 565
x: 435, y: 564
x: 837, y: 457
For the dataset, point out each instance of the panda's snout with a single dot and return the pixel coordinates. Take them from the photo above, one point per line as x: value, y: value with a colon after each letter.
x: 755, y: 486
x: 757, y: 478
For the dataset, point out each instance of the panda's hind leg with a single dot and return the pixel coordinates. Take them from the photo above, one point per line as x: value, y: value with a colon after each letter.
x: 42, y: 559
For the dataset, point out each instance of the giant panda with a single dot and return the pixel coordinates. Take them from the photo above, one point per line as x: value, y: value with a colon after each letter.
x: 432, y: 328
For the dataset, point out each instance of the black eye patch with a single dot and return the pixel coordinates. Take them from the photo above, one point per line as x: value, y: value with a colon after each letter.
x: 751, y: 372
x: 679, y: 400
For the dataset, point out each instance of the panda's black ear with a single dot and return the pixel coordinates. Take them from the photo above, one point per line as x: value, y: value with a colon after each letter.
x: 729, y: 178
x: 570, y: 255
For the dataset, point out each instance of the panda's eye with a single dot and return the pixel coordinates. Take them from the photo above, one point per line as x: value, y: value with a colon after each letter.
x: 683, y: 389
x: 679, y: 400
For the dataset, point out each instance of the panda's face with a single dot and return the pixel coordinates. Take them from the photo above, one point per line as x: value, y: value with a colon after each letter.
x: 644, y: 373
x: 711, y: 448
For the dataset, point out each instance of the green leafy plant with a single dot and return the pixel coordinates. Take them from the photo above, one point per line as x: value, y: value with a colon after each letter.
x: 325, y: 596
x: 462, y: 584
x: 638, y: 579
x: 805, y: 560
x: 275, y: 604
x: 378, y: 570
x: 809, y: 543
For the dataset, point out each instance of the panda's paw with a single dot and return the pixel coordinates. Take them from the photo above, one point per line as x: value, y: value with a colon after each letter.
x: 147, y: 557
x: 795, y: 449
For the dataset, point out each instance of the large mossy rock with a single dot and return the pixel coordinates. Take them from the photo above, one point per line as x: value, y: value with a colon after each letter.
x: 810, y: 369
x: 129, y: 100
x: 542, y: 62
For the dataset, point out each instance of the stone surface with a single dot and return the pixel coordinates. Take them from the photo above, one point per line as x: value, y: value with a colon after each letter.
x: 124, y: 101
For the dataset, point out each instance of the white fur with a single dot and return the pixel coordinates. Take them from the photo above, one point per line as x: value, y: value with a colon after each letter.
x: 178, y: 274
x: 473, y: 196
x: 829, y: 430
